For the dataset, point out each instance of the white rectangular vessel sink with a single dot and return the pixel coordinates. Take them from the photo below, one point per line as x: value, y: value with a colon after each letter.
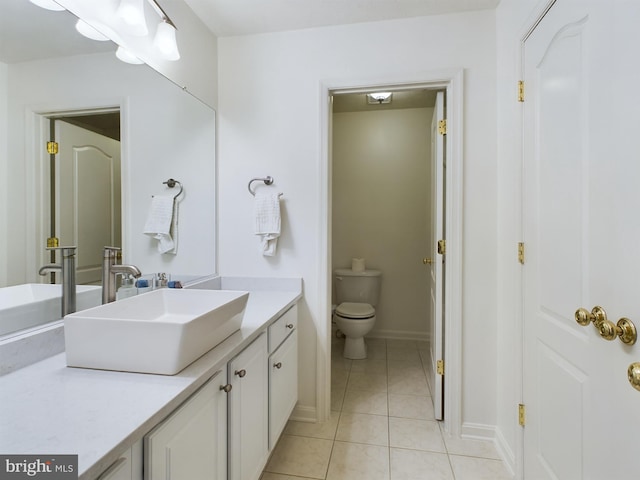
x: 158, y: 332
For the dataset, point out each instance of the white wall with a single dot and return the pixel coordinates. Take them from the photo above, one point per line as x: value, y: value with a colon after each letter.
x: 166, y: 133
x: 513, y: 20
x: 381, y: 209
x: 270, y: 106
x: 4, y: 232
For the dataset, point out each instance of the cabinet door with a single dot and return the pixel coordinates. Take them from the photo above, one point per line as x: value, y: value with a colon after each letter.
x: 191, y: 442
x: 248, y: 411
x: 283, y: 386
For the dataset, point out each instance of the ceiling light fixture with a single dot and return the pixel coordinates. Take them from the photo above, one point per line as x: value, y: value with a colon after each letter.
x: 165, y: 40
x: 127, y: 57
x: 132, y: 13
x: 48, y: 4
x: 90, y: 32
x: 379, y: 98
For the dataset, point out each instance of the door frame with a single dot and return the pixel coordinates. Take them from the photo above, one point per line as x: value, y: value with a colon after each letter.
x: 452, y: 81
x: 37, y: 189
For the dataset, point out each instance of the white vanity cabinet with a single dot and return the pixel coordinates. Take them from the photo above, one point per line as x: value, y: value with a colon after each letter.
x: 283, y: 372
x: 192, y: 442
x: 248, y: 411
x: 127, y: 467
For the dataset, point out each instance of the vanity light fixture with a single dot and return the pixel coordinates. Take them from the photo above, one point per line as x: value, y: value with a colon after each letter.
x: 379, y: 98
x: 88, y: 31
x: 48, y: 4
x: 165, y: 40
x: 132, y: 13
x: 127, y: 57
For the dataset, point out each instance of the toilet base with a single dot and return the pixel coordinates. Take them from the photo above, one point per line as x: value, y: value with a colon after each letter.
x: 354, y: 348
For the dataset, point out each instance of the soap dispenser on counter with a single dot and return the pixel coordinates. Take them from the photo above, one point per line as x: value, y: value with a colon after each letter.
x: 127, y: 289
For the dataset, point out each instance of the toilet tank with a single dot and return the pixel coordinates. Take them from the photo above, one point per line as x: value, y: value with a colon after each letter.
x: 358, y: 287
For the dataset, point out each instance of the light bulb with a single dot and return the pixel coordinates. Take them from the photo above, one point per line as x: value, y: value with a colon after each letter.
x: 127, y: 57
x: 132, y: 13
x: 165, y: 41
x: 89, y: 31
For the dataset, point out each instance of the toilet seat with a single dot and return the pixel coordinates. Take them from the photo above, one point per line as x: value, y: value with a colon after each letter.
x: 355, y: 311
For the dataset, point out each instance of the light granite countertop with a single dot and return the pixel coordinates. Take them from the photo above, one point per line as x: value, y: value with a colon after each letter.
x: 49, y: 408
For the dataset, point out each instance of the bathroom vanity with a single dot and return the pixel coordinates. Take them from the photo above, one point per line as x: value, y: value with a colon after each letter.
x: 231, y: 403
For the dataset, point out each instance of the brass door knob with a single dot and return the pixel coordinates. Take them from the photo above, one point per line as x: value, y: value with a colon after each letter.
x: 625, y: 329
x: 633, y: 373
x: 240, y: 373
x: 584, y: 317
x: 427, y: 261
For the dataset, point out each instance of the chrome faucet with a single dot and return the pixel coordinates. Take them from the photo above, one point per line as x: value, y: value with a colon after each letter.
x: 68, y: 271
x: 110, y: 268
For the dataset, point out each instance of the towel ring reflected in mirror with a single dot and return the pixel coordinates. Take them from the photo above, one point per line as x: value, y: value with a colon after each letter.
x: 267, y: 181
x: 171, y: 183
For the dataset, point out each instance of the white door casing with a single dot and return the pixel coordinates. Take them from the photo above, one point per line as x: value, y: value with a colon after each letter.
x: 452, y: 82
x: 580, y: 204
x: 88, y: 211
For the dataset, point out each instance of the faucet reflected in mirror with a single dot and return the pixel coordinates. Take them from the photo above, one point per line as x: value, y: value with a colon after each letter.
x: 67, y: 269
x: 110, y: 268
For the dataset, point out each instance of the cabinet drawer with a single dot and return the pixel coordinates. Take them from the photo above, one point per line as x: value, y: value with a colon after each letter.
x: 281, y: 328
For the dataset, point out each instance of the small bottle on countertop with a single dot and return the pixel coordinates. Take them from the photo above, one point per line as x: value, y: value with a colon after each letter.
x: 127, y: 289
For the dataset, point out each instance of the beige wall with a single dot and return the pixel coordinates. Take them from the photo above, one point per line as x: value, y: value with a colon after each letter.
x: 381, y: 193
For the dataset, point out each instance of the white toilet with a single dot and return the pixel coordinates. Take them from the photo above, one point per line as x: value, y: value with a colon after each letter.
x: 356, y: 296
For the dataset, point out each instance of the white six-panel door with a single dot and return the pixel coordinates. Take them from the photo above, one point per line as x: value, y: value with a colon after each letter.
x: 581, y: 224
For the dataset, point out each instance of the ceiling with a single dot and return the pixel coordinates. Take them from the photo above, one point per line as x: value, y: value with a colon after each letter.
x: 357, y: 102
x: 245, y: 17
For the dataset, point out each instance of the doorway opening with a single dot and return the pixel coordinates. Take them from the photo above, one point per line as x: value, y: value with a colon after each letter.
x: 82, y: 206
x: 344, y: 196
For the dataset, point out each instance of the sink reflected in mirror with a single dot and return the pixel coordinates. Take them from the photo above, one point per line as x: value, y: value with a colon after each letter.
x: 47, y: 75
x: 158, y: 332
x: 28, y: 305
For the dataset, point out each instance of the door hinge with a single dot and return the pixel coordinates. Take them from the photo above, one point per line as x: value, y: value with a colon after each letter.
x: 52, y: 148
x: 521, y: 90
x: 521, y: 252
x: 440, y: 367
x: 442, y: 127
x: 442, y: 247
x: 53, y: 242
x: 521, y: 414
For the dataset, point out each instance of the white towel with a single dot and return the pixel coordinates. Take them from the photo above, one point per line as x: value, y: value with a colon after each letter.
x: 267, y: 218
x: 162, y: 223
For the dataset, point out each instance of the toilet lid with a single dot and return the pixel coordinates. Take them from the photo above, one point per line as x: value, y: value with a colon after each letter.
x: 355, y: 310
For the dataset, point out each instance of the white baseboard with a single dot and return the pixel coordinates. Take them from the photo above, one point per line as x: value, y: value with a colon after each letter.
x: 303, y: 413
x: 506, y: 452
x: 399, y: 335
x: 491, y: 433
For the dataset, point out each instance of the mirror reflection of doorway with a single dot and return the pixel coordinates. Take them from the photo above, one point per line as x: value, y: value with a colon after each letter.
x: 85, y: 202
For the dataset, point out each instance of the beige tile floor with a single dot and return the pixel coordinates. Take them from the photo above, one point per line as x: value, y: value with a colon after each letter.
x: 382, y: 427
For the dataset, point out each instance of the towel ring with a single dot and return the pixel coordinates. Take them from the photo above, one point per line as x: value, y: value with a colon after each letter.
x: 171, y: 183
x: 266, y: 180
